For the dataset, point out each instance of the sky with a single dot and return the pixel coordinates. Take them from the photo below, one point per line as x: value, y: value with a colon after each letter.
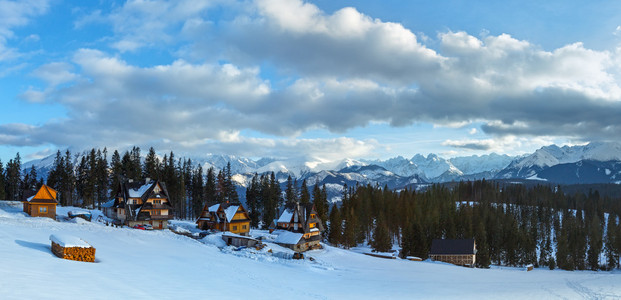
x: 326, y: 79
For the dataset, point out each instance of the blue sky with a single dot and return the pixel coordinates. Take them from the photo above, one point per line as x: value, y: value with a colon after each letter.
x: 320, y: 79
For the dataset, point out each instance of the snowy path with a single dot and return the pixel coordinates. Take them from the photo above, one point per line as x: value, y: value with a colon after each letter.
x: 136, y: 264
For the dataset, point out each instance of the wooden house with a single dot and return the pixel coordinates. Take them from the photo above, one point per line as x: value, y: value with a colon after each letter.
x: 139, y: 203
x: 42, y: 203
x: 231, y: 217
x: 298, y: 228
x: 460, y: 252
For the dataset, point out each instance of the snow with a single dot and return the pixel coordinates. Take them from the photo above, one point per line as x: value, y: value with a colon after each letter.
x: 138, y: 264
x: 285, y: 217
x: 68, y: 241
x: 287, y: 237
x: 137, y: 193
x: 79, y: 212
x: 214, y: 208
x: 230, y: 211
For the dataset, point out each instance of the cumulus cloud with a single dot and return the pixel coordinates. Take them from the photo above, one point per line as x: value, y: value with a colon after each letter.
x: 335, y: 72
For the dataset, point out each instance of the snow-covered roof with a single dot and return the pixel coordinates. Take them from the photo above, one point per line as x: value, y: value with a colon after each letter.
x: 108, y: 203
x: 79, y: 212
x: 137, y: 193
x: 230, y: 211
x: 68, y: 241
x: 314, y: 229
x: 30, y: 198
x: 285, y: 217
x: 287, y: 237
x: 214, y: 208
x: 230, y: 234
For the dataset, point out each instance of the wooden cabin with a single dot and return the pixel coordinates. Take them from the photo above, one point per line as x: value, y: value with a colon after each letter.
x: 231, y: 217
x: 42, y: 203
x: 140, y: 203
x: 461, y: 252
x: 298, y: 228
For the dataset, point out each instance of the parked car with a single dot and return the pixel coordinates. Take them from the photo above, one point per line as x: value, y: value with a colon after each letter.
x: 147, y: 226
x: 139, y: 226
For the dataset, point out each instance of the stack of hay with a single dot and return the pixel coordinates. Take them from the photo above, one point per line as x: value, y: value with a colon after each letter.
x: 71, y: 247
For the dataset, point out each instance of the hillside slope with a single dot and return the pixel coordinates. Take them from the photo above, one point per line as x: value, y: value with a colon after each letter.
x: 135, y: 264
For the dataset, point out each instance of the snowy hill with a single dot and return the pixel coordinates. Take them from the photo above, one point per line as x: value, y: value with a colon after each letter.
x: 137, y: 264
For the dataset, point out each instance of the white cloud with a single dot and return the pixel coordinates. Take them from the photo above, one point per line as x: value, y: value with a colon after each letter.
x: 334, y: 71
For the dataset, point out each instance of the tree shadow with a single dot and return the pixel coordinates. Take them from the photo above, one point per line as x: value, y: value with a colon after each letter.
x: 36, y: 246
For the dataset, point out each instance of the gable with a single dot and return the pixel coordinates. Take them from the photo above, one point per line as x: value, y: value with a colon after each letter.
x: 45, y: 194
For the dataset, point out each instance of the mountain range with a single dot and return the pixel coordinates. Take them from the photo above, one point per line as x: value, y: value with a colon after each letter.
x: 597, y: 162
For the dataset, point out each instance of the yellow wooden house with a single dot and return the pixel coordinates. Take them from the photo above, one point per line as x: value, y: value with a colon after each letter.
x: 42, y: 204
x: 231, y: 217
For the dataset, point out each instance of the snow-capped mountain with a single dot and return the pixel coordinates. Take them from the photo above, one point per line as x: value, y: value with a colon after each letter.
x: 595, y: 162
x: 568, y: 164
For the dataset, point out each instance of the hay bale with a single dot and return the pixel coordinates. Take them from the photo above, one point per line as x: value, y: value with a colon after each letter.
x: 72, y: 248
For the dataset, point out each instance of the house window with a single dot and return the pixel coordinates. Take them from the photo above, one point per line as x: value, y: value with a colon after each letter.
x: 155, y: 212
x: 157, y: 201
x: 312, y: 225
x: 234, y: 228
x: 313, y: 216
x: 244, y: 227
x: 43, y: 209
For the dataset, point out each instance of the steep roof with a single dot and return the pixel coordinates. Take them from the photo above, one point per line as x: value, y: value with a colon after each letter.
x: 229, y: 210
x: 286, y: 216
x: 45, y: 194
x: 453, y: 246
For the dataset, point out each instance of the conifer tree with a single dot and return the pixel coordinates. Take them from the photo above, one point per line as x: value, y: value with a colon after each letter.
x: 198, y: 192
x: 304, y: 195
x: 290, y: 194
x: 611, y: 250
x: 13, y: 178
x: 210, y: 187
x: 151, y: 165
x: 335, y: 227
x: 381, y: 238
x: 252, y: 201
x: 2, y: 183
x: 116, y: 171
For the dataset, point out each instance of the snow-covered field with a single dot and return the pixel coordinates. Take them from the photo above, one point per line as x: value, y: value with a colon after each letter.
x: 136, y: 264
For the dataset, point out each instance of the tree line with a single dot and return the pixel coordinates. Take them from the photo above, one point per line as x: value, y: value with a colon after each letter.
x: 511, y: 224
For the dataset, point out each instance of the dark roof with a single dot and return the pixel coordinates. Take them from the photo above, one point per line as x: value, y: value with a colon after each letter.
x: 450, y: 246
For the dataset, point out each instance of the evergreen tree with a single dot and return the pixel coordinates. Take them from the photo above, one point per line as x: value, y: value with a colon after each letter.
x: 210, y: 187
x: 611, y: 250
x: 101, y: 175
x: 335, y: 227
x: 595, y: 243
x: 304, y: 195
x: 321, y: 202
x: 290, y: 195
x: 381, y: 238
x: 252, y: 201
x: 116, y: 172
x: 151, y: 165
x: 13, y: 178
x: 2, y: 182
x: 198, y: 192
